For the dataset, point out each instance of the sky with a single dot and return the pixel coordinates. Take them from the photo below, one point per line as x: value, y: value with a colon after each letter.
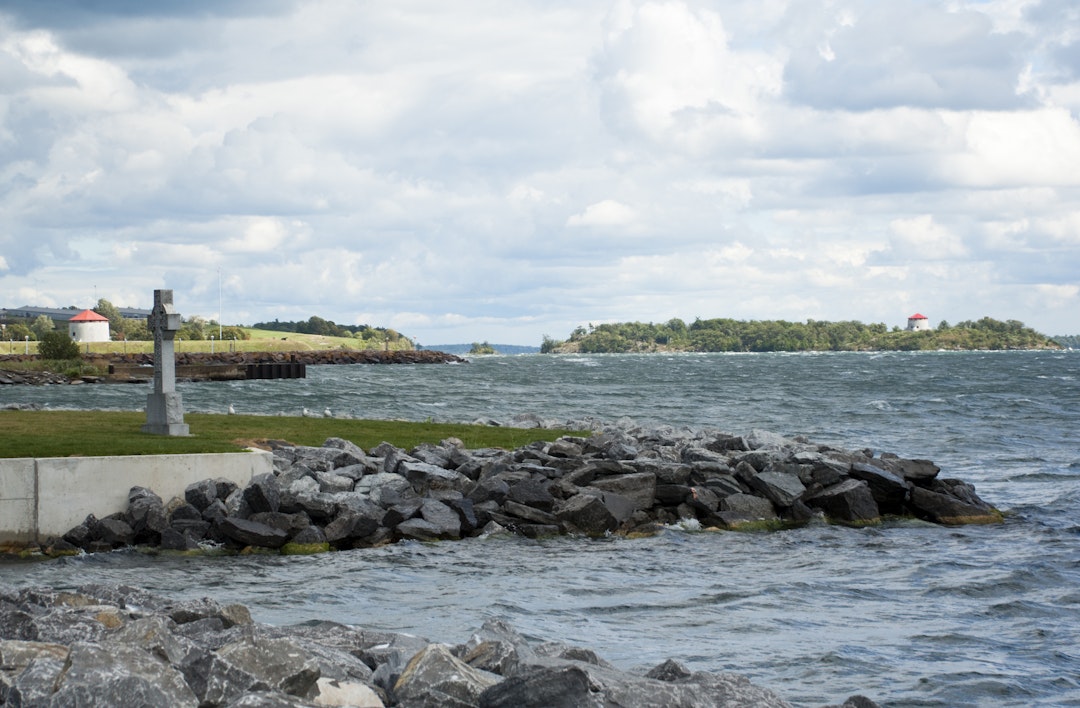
x: 501, y: 171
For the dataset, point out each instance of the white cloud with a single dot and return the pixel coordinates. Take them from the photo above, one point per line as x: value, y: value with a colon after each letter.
x: 922, y: 239
x: 608, y: 212
x: 470, y: 169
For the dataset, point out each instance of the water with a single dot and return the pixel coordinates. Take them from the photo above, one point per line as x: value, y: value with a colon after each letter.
x: 910, y: 614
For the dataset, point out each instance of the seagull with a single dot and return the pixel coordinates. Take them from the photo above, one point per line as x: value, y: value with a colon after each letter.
x: 232, y: 411
x: 305, y: 412
x: 327, y: 414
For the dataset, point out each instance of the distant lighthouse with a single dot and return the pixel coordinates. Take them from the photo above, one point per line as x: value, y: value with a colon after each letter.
x: 918, y: 323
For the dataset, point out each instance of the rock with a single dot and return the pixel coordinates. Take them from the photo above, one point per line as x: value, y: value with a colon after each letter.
x: 252, y: 533
x: 201, y: 494
x: 532, y: 493
x: 639, y: 487
x: 350, y: 453
x: 445, y: 519
x: 753, y: 507
x: 528, y: 513
x: 435, y: 678
x: 781, y: 488
x: 889, y: 489
x: 119, y: 675
x: 850, y: 501
x: 263, y: 493
x: 279, y: 663
x: 587, y: 514
x: 115, y: 532
x: 919, y: 471
x: 542, y: 687
x: 952, y: 505
x: 353, y: 694
x: 425, y: 477
x: 146, y: 514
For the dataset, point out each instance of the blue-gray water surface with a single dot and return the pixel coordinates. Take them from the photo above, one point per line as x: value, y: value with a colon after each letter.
x: 907, y: 613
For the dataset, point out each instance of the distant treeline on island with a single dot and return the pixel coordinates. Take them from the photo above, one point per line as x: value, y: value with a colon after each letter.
x: 728, y: 335
x: 329, y: 328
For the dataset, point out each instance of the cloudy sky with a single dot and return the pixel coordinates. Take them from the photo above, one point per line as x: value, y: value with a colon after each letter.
x: 477, y: 170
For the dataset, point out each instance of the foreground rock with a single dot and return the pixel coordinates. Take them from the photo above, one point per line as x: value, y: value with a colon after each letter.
x: 624, y: 480
x: 118, y: 645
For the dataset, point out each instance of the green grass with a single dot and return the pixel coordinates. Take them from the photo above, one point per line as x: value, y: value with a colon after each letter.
x: 97, y: 433
x: 262, y: 340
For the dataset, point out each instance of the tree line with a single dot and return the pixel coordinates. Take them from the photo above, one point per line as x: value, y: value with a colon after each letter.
x: 729, y: 335
x: 329, y: 328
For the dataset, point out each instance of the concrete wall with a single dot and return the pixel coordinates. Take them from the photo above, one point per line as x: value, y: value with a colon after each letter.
x: 43, y: 498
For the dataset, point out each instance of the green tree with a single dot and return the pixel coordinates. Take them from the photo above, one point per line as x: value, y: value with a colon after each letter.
x: 17, y: 332
x: 112, y: 312
x: 482, y: 348
x: 57, y: 345
x: 136, y: 331
x: 42, y: 325
x: 193, y: 329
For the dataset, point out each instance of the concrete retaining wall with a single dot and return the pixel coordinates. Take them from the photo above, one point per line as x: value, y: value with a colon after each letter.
x: 46, y: 497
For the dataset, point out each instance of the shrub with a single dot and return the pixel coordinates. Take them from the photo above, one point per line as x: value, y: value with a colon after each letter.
x: 57, y: 345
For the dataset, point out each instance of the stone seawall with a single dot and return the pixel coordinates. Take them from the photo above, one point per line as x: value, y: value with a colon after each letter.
x: 622, y: 480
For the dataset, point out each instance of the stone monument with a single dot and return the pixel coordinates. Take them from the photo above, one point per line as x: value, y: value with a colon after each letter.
x: 164, y: 408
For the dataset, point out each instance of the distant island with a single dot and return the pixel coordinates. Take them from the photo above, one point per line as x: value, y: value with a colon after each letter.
x: 481, y: 348
x: 728, y: 335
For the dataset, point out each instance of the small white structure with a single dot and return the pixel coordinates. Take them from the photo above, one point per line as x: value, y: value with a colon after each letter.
x: 918, y: 323
x: 88, y: 326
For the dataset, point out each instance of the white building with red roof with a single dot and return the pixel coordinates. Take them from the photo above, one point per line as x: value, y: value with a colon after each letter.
x: 88, y: 326
x: 918, y: 323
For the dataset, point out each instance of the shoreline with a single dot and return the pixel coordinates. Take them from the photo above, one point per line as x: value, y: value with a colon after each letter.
x: 203, y: 366
x: 624, y: 480
x: 119, y: 645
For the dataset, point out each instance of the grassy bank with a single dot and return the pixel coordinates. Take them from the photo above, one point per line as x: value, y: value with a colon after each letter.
x: 261, y: 340
x: 96, y: 433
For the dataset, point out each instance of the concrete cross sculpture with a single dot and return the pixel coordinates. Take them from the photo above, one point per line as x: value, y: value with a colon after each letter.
x: 164, y: 408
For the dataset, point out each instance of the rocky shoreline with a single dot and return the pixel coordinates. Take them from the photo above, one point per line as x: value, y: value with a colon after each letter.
x: 112, y: 645
x: 620, y: 480
x: 225, y: 359
x: 119, y: 645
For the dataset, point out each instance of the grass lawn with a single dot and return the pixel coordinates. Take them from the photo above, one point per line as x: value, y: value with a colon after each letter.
x: 262, y: 340
x: 95, y: 433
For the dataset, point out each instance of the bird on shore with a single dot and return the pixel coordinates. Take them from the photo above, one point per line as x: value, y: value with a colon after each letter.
x: 306, y: 412
x: 232, y: 410
x: 327, y: 414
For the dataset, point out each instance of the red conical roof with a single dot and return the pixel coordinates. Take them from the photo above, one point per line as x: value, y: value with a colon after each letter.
x: 88, y: 316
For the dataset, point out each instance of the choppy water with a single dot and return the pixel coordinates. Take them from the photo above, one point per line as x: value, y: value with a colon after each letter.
x: 910, y: 614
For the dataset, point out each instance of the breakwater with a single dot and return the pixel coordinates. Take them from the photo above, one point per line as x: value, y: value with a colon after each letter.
x: 622, y: 479
x: 119, y: 645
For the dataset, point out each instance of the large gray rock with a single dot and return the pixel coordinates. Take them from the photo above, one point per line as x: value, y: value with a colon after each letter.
x: 281, y: 663
x: 851, y: 501
x: 890, y: 490
x: 119, y: 675
x: 750, y: 505
x: 781, y: 488
x: 639, y: 487
x: 252, y: 533
x: 543, y: 687
x: 435, y: 678
x: 146, y: 514
x: 587, y: 514
x: 426, y: 477
x: 952, y: 504
x: 445, y: 519
x: 532, y: 493
x: 263, y: 493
